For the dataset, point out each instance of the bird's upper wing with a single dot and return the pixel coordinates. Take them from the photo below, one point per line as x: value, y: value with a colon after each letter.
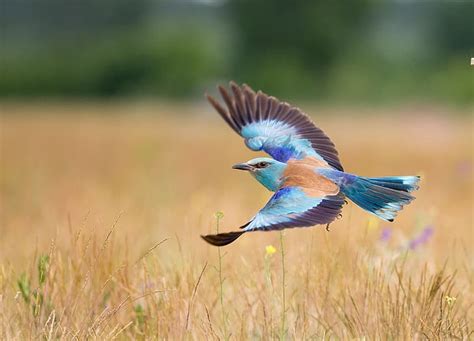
x: 282, y: 131
x: 293, y: 207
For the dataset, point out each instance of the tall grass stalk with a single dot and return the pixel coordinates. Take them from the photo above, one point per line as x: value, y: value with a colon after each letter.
x: 283, y: 290
x: 219, y: 216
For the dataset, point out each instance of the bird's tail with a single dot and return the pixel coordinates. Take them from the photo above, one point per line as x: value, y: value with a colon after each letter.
x: 383, y: 196
x: 222, y: 239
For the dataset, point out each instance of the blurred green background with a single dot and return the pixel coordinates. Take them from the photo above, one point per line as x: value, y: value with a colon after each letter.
x: 330, y: 51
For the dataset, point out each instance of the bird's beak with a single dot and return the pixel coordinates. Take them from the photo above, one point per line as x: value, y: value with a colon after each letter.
x: 242, y: 166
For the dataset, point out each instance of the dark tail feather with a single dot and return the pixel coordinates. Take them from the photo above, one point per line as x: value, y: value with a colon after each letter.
x: 222, y: 239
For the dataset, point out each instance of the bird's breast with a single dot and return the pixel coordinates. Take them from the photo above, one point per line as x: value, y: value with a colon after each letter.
x: 301, y: 173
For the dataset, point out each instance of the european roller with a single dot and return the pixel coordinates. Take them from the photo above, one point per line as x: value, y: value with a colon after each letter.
x: 304, y: 171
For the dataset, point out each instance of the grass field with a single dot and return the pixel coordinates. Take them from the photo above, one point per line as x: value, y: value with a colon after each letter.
x: 102, y: 205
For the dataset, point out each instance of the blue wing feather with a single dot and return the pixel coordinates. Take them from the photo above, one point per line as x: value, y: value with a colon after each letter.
x: 266, y: 124
x: 292, y: 207
x: 288, y: 207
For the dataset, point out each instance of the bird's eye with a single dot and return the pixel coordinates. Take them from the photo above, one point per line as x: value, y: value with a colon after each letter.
x: 262, y: 164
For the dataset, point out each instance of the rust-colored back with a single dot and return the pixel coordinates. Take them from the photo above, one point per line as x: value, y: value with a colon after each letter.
x: 301, y: 173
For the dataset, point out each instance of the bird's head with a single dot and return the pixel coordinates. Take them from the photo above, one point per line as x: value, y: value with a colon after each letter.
x: 266, y: 170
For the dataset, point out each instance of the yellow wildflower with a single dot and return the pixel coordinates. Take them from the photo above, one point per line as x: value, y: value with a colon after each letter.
x: 450, y: 300
x: 270, y: 250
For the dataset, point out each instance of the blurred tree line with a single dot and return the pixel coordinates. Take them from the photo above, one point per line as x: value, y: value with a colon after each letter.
x: 352, y: 50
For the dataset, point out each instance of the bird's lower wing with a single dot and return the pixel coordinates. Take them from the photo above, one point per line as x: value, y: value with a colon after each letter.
x: 292, y: 207
x: 289, y: 207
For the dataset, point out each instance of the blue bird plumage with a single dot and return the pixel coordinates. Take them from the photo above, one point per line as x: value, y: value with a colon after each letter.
x: 305, y: 172
x: 383, y: 197
x: 270, y: 175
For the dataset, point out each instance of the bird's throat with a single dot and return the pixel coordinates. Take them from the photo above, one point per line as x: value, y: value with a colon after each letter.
x: 270, y: 178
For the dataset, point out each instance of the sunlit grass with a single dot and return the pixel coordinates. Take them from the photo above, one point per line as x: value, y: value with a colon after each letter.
x: 101, y: 217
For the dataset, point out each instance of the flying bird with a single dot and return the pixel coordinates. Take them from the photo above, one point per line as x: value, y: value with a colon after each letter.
x: 304, y: 171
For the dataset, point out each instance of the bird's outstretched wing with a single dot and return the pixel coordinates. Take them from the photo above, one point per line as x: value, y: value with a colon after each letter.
x: 288, y: 207
x: 279, y: 129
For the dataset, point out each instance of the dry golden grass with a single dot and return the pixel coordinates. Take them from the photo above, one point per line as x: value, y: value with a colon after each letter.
x: 102, y: 207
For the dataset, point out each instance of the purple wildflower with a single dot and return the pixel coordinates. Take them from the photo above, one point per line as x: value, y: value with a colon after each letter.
x: 422, y: 238
x: 386, y: 234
